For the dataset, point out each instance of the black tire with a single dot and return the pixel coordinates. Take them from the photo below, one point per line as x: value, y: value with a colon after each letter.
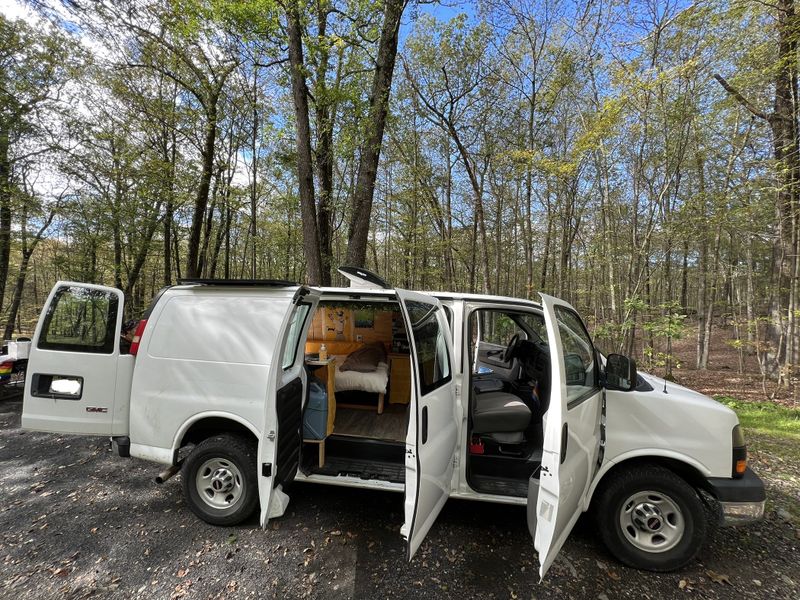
x: 227, y: 455
x: 679, y: 519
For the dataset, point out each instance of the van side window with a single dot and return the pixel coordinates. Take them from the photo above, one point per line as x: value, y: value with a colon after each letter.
x: 578, y: 356
x: 433, y: 360
x: 80, y: 320
x: 299, y: 316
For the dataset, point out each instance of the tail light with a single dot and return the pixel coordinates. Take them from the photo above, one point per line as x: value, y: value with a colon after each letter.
x: 137, y: 336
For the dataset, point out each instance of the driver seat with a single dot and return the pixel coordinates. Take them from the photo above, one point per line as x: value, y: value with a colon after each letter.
x: 500, y: 416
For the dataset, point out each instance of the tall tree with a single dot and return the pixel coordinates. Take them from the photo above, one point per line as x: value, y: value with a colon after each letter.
x: 361, y: 211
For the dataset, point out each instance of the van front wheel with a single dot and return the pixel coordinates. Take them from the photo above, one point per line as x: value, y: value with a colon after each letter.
x: 219, y: 480
x: 649, y: 518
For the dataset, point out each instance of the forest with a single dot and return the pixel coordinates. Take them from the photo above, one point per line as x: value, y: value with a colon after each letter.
x: 638, y: 158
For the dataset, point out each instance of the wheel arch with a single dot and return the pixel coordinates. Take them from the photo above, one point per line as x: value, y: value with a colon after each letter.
x: 691, y: 471
x: 206, y: 424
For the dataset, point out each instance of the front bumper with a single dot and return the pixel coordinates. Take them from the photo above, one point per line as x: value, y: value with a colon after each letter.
x: 741, y: 500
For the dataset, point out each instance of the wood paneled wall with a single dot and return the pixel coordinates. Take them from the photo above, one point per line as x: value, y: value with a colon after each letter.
x: 337, y: 323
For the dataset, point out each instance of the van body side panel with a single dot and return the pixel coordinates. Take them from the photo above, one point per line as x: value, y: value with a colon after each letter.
x: 674, y: 424
x: 204, y: 349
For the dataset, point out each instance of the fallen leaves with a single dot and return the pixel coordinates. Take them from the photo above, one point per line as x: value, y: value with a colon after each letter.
x: 686, y: 584
x: 719, y: 578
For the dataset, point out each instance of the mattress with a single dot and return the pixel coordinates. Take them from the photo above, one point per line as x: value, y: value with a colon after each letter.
x: 374, y: 382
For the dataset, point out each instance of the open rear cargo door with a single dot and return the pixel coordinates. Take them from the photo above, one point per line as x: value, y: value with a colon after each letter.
x: 71, y: 386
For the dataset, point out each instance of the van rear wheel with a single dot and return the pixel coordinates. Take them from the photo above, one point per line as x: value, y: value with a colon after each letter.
x: 649, y: 518
x: 219, y: 480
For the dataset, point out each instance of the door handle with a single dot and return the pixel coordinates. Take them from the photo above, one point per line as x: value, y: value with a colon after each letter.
x: 564, y: 440
x: 424, y: 424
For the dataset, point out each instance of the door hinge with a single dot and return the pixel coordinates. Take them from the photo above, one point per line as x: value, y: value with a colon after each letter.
x: 271, y: 435
x: 266, y: 469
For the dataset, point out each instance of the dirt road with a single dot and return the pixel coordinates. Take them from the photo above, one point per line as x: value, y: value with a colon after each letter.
x: 78, y: 522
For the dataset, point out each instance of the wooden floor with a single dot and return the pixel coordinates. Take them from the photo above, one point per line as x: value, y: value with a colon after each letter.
x: 391, y: 425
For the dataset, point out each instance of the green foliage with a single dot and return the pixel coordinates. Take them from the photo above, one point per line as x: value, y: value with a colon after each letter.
x: 670, y: 324
x: 766, y: 418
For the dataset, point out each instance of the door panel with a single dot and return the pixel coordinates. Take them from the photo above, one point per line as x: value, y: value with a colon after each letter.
x: 571, y: 431
x: 490, y: 362
x: 281, y: 439
x: 433, y: 422
x: 72, y: 369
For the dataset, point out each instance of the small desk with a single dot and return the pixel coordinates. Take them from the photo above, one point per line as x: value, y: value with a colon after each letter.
x: 326, y: 371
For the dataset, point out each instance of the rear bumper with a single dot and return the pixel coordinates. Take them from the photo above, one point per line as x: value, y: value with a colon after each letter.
x: 741, y: 500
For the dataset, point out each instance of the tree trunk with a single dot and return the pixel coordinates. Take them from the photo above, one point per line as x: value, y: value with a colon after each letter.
x: 203, y: 189
x: 5, y: 211
x: 305, y: 175
x: 786, y: 147
x: 16, y: 297
x: 370, y: 151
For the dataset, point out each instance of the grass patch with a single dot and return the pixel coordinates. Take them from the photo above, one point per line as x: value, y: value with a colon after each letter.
x: 766, y: 418
x: 768, y: 426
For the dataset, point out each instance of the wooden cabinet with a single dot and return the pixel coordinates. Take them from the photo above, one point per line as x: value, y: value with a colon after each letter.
x: 399, y: 378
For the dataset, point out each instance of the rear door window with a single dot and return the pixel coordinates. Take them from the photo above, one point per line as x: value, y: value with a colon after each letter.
x: 80, y: 320
x: 299, y: 317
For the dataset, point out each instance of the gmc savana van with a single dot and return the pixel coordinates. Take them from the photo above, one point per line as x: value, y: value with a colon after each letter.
x: 435, y: 395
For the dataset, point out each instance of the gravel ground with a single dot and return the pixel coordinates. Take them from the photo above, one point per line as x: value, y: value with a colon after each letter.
x: 79, y: 522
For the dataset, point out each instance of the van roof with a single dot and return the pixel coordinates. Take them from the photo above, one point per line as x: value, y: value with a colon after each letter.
x: 361, y: 292
x: 436, y: 294
x: 239, y: 282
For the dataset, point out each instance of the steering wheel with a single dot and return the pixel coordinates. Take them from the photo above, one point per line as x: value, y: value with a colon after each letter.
x: 512, y: 346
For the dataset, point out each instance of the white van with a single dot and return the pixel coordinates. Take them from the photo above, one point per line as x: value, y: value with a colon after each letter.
x: 460, y: 395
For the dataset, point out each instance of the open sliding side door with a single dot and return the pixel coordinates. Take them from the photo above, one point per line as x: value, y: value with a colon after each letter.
x: 571, y: 432
x: 281, y: 439
x: 433, y: 424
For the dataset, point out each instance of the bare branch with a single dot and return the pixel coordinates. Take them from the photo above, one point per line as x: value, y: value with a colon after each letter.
x: 741, y: 99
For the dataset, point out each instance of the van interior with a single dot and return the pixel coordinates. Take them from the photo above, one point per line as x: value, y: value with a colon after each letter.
x: 363, y: 348
x: 358, y: 352
x: 509, y: 395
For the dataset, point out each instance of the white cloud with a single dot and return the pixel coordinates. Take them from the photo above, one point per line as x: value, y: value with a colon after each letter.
x: 13, y: 10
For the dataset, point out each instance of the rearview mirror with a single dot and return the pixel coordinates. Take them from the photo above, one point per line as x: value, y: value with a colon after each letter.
x: 620, y: 373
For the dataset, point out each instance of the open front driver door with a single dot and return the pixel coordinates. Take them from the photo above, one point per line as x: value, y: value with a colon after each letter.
x: 571, y: 432
x: 433, y: 423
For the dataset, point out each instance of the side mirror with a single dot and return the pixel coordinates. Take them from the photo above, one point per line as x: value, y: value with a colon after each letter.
x: 620, y: 373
